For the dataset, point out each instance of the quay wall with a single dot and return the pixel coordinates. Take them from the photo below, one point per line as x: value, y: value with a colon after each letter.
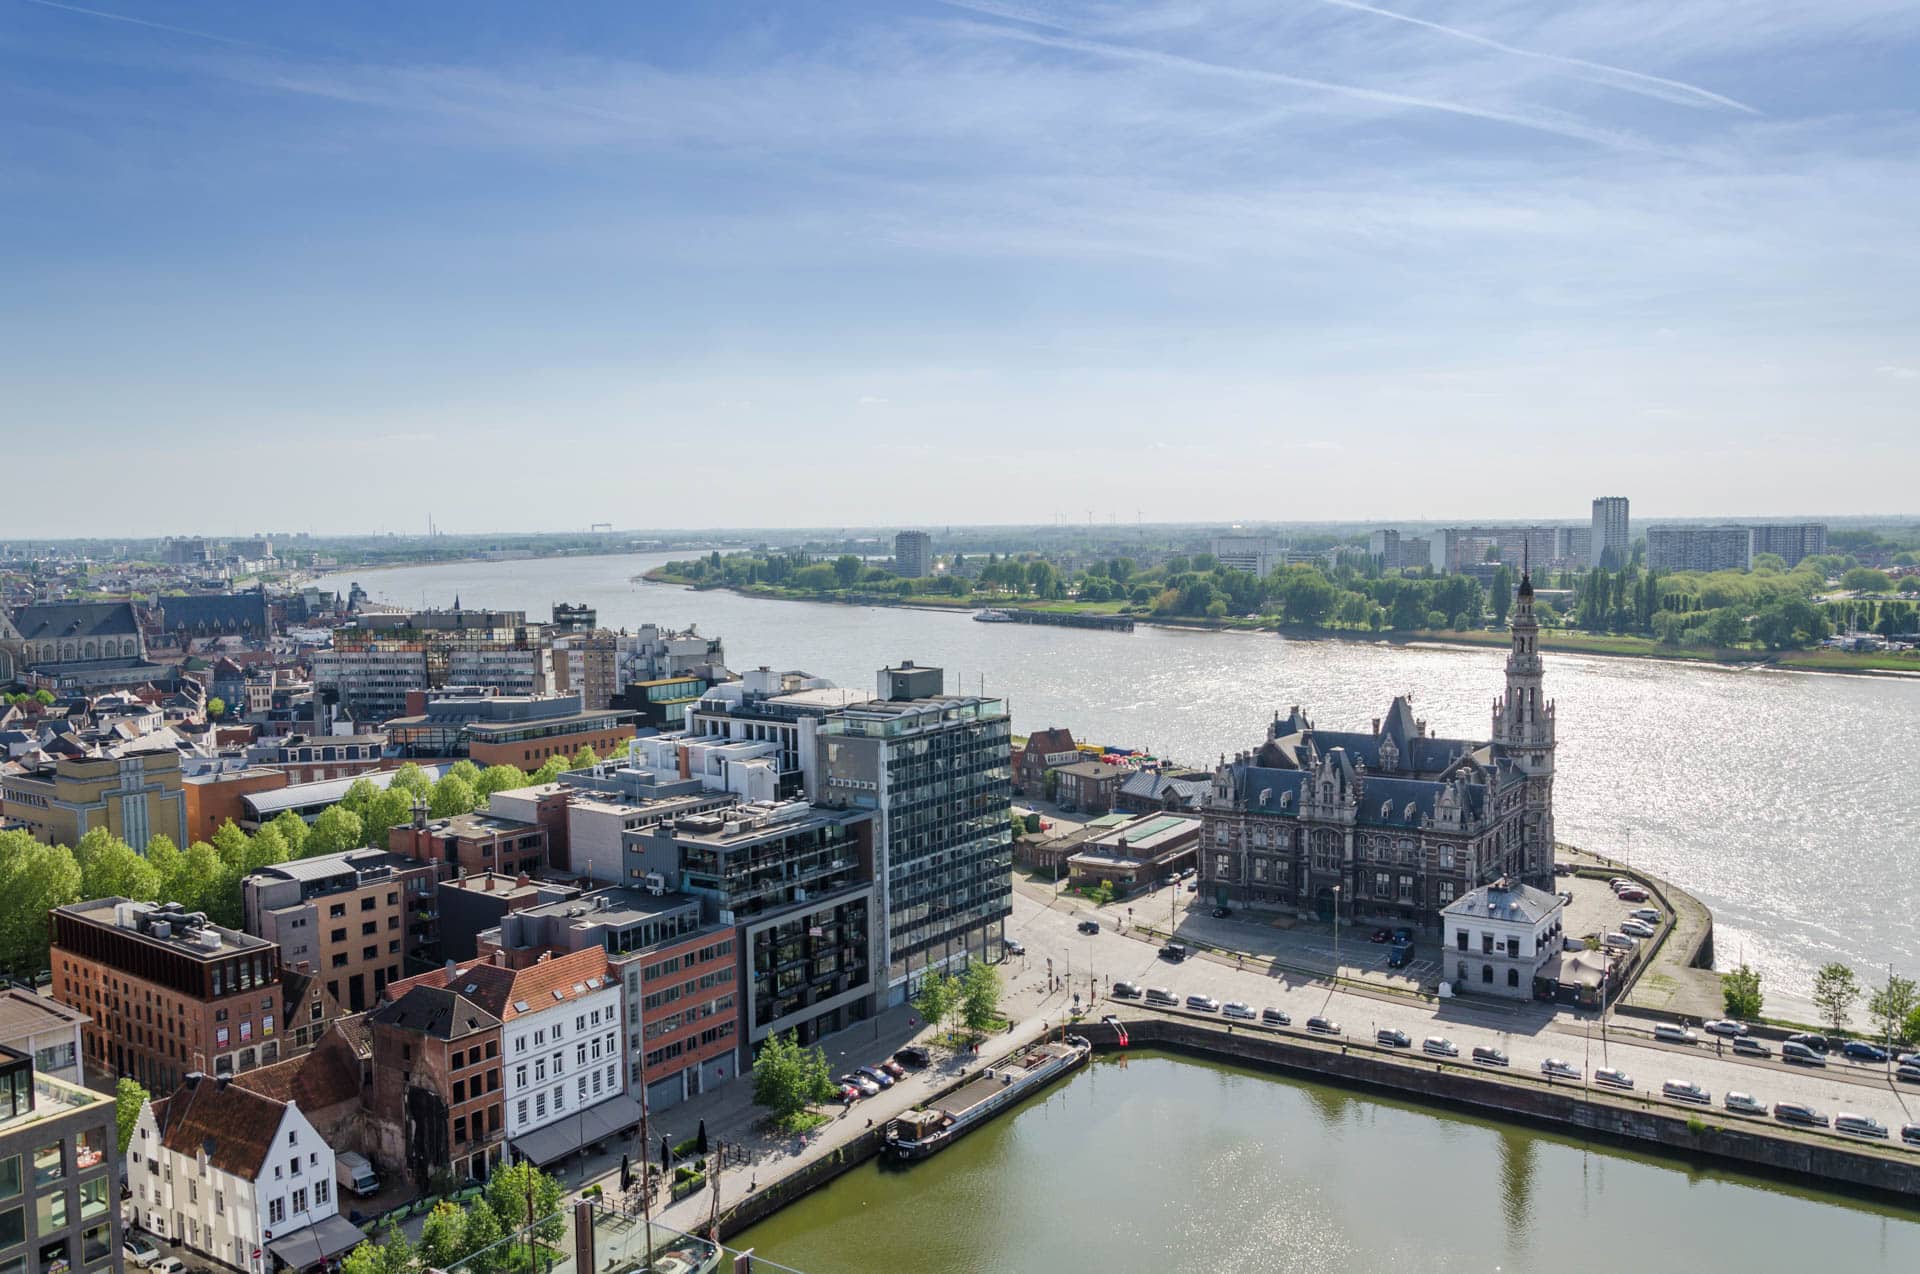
x: 1750, y: 1144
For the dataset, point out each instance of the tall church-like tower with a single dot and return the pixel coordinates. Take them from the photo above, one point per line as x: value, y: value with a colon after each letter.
x: 1523, y: 733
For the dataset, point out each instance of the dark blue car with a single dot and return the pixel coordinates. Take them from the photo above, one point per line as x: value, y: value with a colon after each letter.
x: 1861, y: 1051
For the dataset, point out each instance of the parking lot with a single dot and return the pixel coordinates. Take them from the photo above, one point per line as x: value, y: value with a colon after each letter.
x: 1595, y: 911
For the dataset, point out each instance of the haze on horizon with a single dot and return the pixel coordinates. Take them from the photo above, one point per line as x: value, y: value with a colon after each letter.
x: 867, y: 263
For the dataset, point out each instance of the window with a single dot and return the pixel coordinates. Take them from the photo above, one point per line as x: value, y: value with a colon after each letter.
x: 10, y: 1177
x: 93, y: 1199
x: 1460, y: 938
x: 1513, y: 977
x: 300, y: 1199
x: 276, y: 1211
x: 293, y: 1136
x: 520, y: 1110
x: 1486, y: 973
x: 53, y: 1211
x: 13, y: 1227
x: 322, y: 1191
x: 49, y: 1163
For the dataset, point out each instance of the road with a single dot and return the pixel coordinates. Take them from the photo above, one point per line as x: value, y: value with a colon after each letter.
x: 1528, y: 1033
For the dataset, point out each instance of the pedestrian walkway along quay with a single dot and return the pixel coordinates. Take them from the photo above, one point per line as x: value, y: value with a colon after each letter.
x: 1825, y: 1160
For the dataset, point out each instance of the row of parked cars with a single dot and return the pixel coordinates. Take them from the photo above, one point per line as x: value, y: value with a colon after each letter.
x: 868, y: 1081
x: 1806, y: 1049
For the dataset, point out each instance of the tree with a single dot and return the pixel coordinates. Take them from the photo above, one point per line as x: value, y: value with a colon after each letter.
x: 451, y: 796
x: 265, y: 848
x: 1834, y: 991
x: 464, y: 770
x: 110, y: 869
x: 413, y: 779
x: 980, y: 996
x: 1725, y: 627
x: 164, y: 857
x: 43, y: 697
x: 231, y: 844
x: 293, y: 830
x: 1864, y: 579
x: 499, y: 778
x: 939, y: 996
x: 360, y: 794
x: 1892, y: 1004
x: 550, y: 769
x: 483, y: 1230
x: 128, y: 1098
x: 388, y: 810
x: 34, y: 879
x: 516, y: 1191
x: 585, y: 758
x: 1910, y: 1029
x: 846, y: 569
x: 1740, y: 991
x: 195, y: 879
x: 788, y: 1078
x: 443, y: 1239
x: 216, y: 708
x: 391, y: 1254
x: 335, y: 830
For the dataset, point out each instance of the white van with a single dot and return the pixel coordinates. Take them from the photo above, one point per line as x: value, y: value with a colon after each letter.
x: 1668, y: 1034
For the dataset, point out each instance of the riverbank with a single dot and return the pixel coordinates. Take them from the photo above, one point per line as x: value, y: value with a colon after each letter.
x: 1603, y: 644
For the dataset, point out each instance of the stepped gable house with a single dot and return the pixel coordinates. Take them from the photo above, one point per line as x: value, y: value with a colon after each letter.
x: 1391, y: 822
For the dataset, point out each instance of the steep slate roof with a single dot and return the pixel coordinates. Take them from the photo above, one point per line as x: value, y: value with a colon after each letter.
x: 76, y: 619
x: 235, y: 1126
x: 435, y: 1011
x: 502, y: 991
x: 1157, y: 787
x: 216, y: 610
x: 1514, y: 902
x: 311, y: 1081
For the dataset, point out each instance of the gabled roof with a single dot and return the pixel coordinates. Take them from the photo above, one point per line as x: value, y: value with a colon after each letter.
x: 233, y: 1125
x: 1050, y: 741
x: 312, y: 1081
x: 435, y: 1011
x: 76, y: 619
x: 510, y: 993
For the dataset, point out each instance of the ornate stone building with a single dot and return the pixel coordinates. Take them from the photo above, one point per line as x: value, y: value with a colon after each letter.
x: 1392, y: 822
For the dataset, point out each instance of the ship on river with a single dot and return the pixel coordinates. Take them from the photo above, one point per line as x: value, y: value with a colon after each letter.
x: 991, y: 616
x: 919, y: 1133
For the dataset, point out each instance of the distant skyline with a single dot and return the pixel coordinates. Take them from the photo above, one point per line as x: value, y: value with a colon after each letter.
x: 878, y: 264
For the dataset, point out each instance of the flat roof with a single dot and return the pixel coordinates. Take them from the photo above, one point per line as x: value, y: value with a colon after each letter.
x: 624, y: 905
x: 27, y: 1013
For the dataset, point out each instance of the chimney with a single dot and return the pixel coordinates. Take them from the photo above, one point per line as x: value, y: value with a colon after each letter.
x: 524, y: 880
x: 489, y: 882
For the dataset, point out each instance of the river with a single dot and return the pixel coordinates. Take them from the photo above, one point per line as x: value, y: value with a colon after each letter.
x: 1158, y: 1165
x: 1786, y: 801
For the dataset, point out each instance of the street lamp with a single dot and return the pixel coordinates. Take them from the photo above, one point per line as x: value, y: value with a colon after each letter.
x: 1336, y: 936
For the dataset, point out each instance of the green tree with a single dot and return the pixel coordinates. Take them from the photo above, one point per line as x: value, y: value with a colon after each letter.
x: 464, y: 770
x: 388, y: 810
x: 109, y: 868
x: 412, y: 778
x: 938, y: 1000
x: 231, y: 844
x: 336, y: 829
x: 360, y: 795
x: 1726, y: 627
x: 980, y: 996
x: 500, y: 778
x: 584, y: 758
x: 451, y: 796
x: 293, y: 830
x: 1891, y: 1005
x: 846, y: 570
x: 164, y: 857
x: 518, y: 1191
x: 550, y: 769
x: 1740, y: 991
x: 216, y: 708
x: 128, y: 1098
x: 788, y: 1078
x: 195, y: 879
x: 265, y: 848
x: 34, y: 879
x: 443, y: 1239
x: 484, y: 1229
x: 391, y: 1254
x: 1834, y: 991
x: 1864, y: 579
x: 1910, y: 1029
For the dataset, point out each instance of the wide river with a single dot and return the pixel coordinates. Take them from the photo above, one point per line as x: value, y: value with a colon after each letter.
x: 1158, y: 1165
x: 1788, y: 802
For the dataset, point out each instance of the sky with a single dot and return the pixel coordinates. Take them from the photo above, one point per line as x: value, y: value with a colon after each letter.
x: 341, y: 267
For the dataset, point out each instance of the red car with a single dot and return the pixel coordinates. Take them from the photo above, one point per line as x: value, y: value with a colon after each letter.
x: 1380, y: 935
x: 894, y: 1068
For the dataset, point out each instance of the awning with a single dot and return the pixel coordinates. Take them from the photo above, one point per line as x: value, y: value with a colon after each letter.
x: 567, y: 1134
x: 317, y: 1242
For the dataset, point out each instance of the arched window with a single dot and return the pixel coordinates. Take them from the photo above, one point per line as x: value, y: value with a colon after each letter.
x: 1462, y: 971
x: 1513, y: 977
x: 1486, y: 973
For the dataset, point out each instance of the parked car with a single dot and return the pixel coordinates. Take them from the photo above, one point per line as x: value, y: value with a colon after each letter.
x: 877, y: 1075
x: 1440, y: 1046
x: 1858, y: 1125
x: 169, y: 1265
x: 1380, y: 935
x: 1907, y: 1059
x: 1323, y: 1026
x: 1804, y: 1054
x: 1563, y: 869
x: 1403, y: 933
x: 1402, y: 955
x: 1392, y: 1037
x: 1686, y: 1090
x: 1751, y: 1047
x: 1274, y: 1017
x: 1744, y: 1104
x: 894, y: 1068
x: 1910, y: 1133
x: 1636, y: 928
x: 1490, y: 1057
x: 1620, y: 941
x: 1203, y: 1004
x: 1126, y: 991
x: 1162, y: 997
x: 1016, y: 947
x: 1861, y: 1051
x: 1818, y: 1043
x: 1235, y: 1009
x: 1633, y: 893
x: 1089, y: 926
x: 1612, y: 1077
x: 913, y: 1055
x: 1724, y: 1026
x: 1651, y: 915
x: 1174, y: 951
x: 1792, y: 1112
x: 1908, y: 1074
x: 1667, y: 1033
x: 1559, y: 1068
x: 139, y: 1251
x: 1617, y: 883
x: 1221, y: 913
x: 849, y: 1094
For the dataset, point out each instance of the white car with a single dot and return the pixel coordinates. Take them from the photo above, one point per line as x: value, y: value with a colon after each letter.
x: 168, y: 1265
x: 1440, y: 1046
x: 1556, y: 1068
x: 1687, y: 1090
x: 1636, y: 928
x: 1234, y: 1008
x: 1612, y: 1077
x: 1724, y: 1026
x: 139, y: 1251
x: 1744, y: 1104
x: 1750, y: 1047
x: 1651, y: 915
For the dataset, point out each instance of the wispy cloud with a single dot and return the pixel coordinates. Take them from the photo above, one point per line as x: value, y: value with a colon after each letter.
x: 143, y: 22
x: 1899, y: 373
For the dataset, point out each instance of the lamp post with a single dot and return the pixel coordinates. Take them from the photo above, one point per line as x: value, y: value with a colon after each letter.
x: 1336, y: 937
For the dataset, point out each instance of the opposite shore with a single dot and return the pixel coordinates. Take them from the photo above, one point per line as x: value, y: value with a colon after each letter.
x: 1620, y: 647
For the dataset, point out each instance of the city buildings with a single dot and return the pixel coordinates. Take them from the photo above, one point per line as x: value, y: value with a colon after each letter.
x: 1396, y: 552
x: 1255, y: 554
x: 437, y: 1090
x: 936, y: 771
x: 473, y: 843
x: 133, y: 792
x: 213, y: 796
x: 352, y: 919
x: 96, y: 643
x: 381, y: 656
x: 59, y: 1174
x: 238, y: 1176
x: 798, y: 882
x: 1611, y: 543
x: 785, y: 709
x: 1499, y: 938
x: 1699, y: 548
x: 913, y: 554
x: 45, y: 1030
x: 1791, y: 542
x: 1091, y: 787
x: 165, y: 991
x: 1134, y: 853
x: 1045, y: 750
x: 516, y: 730
x: 1391, y: 821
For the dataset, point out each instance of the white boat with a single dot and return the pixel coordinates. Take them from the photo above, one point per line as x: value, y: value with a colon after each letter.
x: 990, y: 616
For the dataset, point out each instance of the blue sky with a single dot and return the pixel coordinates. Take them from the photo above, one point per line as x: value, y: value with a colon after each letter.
x: 274, y: 266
